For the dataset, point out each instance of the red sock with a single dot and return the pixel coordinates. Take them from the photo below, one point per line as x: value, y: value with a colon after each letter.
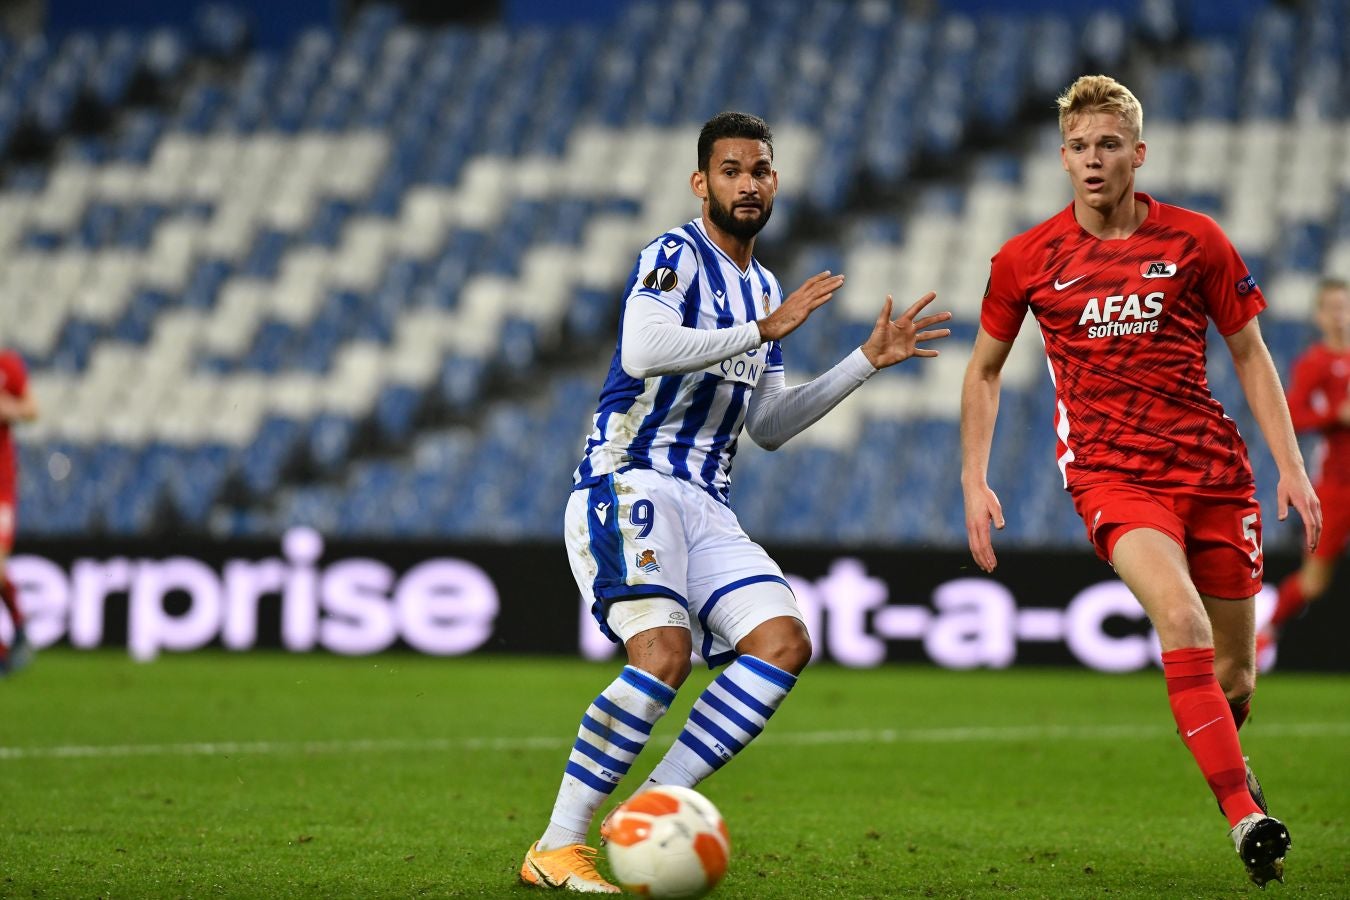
x: 11, y: 601
x: 1290, y: 602
x: 11, y: 597
x: 1206, y: 726
x: 1240, y: 712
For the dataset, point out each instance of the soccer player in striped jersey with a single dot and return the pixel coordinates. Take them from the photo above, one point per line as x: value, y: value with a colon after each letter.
x: 652, y: 541
x: 1123, y: 288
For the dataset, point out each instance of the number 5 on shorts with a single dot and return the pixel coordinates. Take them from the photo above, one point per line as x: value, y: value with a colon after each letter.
x: 1250, y: 533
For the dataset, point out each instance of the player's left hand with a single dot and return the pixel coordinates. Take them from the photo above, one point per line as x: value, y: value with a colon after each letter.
x: 1297, y: 491
x: 896, y: 341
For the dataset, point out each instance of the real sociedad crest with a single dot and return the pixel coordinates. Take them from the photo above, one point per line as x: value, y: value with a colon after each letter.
x: 766, y: 303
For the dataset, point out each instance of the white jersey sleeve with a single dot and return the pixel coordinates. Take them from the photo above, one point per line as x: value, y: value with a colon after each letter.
x: 777, y: 412
x: 656, y: 343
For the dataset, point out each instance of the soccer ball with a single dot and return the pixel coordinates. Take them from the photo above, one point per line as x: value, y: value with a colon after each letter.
x: 667, y: 842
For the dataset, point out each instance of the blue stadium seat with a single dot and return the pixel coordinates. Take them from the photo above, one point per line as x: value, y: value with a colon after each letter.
x: 886, y: 96
x: 330, y: 441
x: 396, y: 411
x: 262, y: 462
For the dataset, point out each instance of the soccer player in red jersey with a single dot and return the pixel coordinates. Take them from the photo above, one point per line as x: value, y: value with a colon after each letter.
x: 1123, y: 288
x: 1319, y: 400
x: 16, y: 405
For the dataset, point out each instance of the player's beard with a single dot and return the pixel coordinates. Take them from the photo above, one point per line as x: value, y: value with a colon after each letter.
x: 725, y: 218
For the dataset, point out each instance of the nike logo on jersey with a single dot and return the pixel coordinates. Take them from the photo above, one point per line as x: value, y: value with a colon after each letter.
x: 1203, y: 727
x: 602, y: 512
x: 1061, y: 286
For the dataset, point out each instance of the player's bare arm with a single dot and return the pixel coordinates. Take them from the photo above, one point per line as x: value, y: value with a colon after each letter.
x: 979, y: 410
x: 18, y: 409
x: 894, y: 341
x: 814, y: 293
x: 1261, y: 385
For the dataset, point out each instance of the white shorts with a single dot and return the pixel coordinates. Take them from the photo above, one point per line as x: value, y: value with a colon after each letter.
x: 650, y: 550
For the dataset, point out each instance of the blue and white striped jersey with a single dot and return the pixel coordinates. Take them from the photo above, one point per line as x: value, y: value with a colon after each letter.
x: 685, y: 425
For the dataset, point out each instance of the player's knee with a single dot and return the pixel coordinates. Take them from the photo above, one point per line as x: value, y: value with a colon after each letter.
x: 1181, y: 625
x: 794, y: 653
x: 1238, y: 682
x: 1315, y: 583
x: 662, y: 653
x: 783, y: 643
x: 671, y: 669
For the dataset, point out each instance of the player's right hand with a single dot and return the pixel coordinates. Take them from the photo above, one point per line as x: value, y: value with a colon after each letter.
x: 982, y: 508
x: 1297, y: 491
x: 814, y: 293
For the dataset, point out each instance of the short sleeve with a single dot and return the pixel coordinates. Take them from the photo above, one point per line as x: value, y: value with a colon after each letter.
x: 1232, y: 296
x: 1005, y: 301
x: 665, y: 270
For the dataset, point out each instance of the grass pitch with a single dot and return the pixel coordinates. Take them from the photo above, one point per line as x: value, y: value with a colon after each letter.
x: 268, y: 775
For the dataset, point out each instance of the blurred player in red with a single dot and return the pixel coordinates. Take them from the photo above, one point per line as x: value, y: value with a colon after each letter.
x: 1123, y: 288
x: 1319, y: 400
x: 16, y: 405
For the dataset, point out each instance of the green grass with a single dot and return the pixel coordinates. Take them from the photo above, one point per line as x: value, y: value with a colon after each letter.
x: 404, y: 776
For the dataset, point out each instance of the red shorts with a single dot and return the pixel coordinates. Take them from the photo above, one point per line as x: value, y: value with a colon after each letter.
x: 1335, y: 521
x: 6, y: 526
x: 1220, y: 531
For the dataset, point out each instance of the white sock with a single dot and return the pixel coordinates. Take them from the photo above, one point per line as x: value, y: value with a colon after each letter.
x: 613, y: 731
x: 726, y: 717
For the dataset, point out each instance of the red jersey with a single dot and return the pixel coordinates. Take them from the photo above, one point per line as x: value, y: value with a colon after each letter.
x: 13, y: 381
x: 1124, y: 326
x: 1320, y: 385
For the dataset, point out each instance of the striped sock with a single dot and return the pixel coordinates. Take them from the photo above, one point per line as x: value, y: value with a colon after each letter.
x: 727, y: 716
x: 613, y: 732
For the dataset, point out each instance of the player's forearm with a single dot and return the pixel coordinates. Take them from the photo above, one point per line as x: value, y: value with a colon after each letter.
x: 18, y: 409
x: 979, y: 411
x: 655, y: 343
x: 779, y: 413
x: 1261, y: 386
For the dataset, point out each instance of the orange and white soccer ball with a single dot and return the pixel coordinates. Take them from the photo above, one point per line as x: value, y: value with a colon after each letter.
x: 667, y: 842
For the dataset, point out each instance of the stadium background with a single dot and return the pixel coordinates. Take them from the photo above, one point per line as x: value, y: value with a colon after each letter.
x: 317, y: 301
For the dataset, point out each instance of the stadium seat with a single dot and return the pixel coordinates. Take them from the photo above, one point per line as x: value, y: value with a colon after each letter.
x: 354, y: 243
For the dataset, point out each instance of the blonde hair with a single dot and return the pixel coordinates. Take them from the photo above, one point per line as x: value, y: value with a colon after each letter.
x: 1100, y: 93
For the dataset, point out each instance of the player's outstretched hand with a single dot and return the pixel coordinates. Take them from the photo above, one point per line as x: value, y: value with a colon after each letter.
x: 982, y: 508
x: 1297, y: 491
x: 814, y: 293
x: 896, y: 341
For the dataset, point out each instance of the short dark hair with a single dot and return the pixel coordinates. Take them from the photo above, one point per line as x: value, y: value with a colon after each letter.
x: 731, y: 125
x: 1329, y: 284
